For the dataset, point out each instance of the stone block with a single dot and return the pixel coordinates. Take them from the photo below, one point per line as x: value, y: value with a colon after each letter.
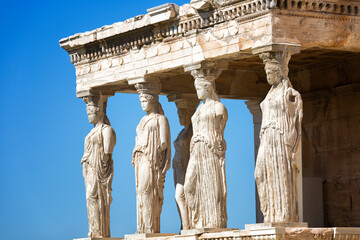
x: 205, y: 230
x: 102, y: 238
x: 257, y: 226
x: 138, y: 236
x: 163, y: 12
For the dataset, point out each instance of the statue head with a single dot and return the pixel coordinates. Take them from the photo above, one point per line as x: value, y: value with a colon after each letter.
x: 150, y: 103
x: 276, y: 66
x: 205, y: 89
x: 273, y: 73
x: 205, y: 81
x: 96, y: 109
x: 94, y: 114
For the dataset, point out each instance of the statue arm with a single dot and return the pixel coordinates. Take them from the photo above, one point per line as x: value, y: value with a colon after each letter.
x: 164, y: 133
x: 165, y: 144
x: 296, y: 111
x: 299, y: 109
x: 109, y: 140
x: 221, y: 115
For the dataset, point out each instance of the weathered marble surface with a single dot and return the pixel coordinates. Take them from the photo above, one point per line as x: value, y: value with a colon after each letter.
x: 331, y: 139
x: 151, y: 159
x: 139, y: 236
x: 98, y: 167
x: 198, y: 231
x: 99, y: 238
x: 277, y: 166
x: 205, y: 180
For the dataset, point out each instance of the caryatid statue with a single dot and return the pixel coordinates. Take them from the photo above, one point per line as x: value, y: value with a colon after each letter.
x: 277, y: 169
x: 205, y: 181
x: 186, y: 106
x: 151, y: 159
x: 98, y: 166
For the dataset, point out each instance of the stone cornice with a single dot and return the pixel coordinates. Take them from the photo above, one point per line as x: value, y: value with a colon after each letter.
x: 134, y: 33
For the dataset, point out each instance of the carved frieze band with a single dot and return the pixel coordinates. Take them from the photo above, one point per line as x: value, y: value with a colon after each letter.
x: 240, y: 12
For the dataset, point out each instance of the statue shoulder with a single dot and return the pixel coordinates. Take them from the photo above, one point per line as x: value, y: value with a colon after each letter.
x: 162, y: 118
x: 220, y: 108
x: 108, y: 131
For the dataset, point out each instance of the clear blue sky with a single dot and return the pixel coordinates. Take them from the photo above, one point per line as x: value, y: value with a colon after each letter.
x: 43, y: 126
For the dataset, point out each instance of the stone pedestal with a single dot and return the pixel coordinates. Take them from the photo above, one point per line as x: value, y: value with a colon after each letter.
x: 262, y: 231
x: 138, y: 236
x: 205, y: 230
x: 258, y: 226
x: 105, y: 238
x: 298, y: 230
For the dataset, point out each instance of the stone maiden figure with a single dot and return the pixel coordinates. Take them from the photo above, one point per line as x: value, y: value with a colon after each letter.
x: 151, y: 159
x: 98, y: 167
x: 205, y: 182
x: 186, y: 108
x: 276, y: 169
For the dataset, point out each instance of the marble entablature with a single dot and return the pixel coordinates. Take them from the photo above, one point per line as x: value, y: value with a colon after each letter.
x: 135, y: 48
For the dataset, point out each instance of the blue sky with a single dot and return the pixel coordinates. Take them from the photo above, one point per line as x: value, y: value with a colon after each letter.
x: 43, y: 126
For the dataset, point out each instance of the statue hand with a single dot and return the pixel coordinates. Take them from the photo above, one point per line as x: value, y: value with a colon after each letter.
x: 162, y: 146
x: 292, y: 95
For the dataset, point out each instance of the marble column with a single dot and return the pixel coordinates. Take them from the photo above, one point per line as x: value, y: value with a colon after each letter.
x: 97, y: 165
x: 151, y: 157
x: 278, y: 159
x: 205, y: 179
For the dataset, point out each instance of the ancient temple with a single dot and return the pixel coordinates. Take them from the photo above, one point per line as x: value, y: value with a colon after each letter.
x: 316, y: 43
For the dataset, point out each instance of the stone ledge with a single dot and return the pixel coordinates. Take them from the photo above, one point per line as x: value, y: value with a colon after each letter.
x: 263, y: 231
x: 148, y: 235
x: 206, y: 230
x: 102, y: 238
x: 257, y: 226
x: 267, y: 231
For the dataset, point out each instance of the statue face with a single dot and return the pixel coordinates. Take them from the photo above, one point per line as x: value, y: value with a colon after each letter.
x: 203, y: 90
x: 93, y: 114
x: 146, y: 104
x: 273, y: 74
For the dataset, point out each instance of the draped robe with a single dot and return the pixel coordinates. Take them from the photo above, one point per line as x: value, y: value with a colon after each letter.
x: 98, y: 174
x: 205, y: 182
x: 150, y: 168
x: 276, y: 169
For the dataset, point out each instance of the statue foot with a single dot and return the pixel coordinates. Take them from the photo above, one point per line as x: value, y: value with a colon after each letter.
x: 149, y: 230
